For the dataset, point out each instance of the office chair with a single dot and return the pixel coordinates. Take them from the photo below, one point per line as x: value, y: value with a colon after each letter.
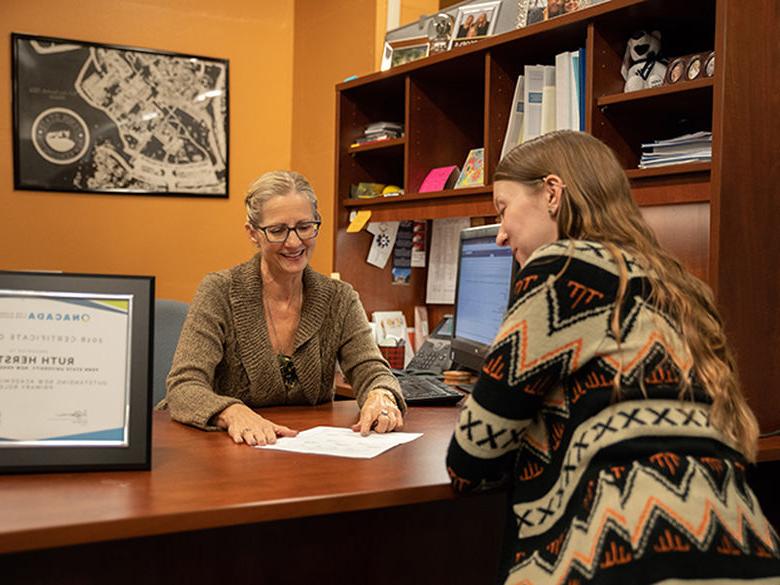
x: 168, y: 319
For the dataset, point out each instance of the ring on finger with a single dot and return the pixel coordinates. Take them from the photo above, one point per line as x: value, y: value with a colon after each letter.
x: 384, y: 413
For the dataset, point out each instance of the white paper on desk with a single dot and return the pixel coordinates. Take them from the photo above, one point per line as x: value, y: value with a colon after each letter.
x: 340, y: 442
x: 384, y: 240
x: 443, y: 259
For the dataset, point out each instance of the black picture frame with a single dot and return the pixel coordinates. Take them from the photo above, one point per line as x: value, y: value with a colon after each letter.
x: 100, y: 118
x: 73, y: 455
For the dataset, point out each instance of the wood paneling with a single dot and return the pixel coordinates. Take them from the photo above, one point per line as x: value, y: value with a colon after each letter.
x: 684, y: 231
x: 746, y: 173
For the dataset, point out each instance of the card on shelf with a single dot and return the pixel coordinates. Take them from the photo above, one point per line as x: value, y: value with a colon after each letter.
x: 439, y: 179
x: 473, y: 173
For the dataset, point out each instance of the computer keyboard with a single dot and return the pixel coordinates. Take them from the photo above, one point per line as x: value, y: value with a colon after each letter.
x: 427, y: 390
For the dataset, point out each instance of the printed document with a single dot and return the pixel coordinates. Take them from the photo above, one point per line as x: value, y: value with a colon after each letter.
x: 443, y: 260
x: 340, y: 442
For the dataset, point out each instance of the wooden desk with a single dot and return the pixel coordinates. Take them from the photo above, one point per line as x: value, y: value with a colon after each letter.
x: 211, y: 510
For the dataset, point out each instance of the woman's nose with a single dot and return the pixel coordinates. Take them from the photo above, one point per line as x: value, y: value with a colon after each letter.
x: 290, y: 241
x: 501, y: 238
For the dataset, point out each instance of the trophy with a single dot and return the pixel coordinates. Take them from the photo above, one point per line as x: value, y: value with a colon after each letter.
x: 439, y: 29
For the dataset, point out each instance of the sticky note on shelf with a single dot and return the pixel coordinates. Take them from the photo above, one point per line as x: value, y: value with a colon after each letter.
x: 359, y: 221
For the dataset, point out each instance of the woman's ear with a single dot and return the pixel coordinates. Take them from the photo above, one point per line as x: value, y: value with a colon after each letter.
x: 553, y: 186
x: 251, y: 233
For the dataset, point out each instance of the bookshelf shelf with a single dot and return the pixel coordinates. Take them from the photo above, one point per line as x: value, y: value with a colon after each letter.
x: 677, y: 90
x: 389, y: 145
x: 681, y: 169
x: 449, y: 194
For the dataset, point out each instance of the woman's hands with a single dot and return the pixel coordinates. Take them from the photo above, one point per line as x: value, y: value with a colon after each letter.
x: 380, y: 412
x: 246, y: 426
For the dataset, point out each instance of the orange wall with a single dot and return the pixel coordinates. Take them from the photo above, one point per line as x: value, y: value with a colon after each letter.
x: 332, y: 41
x: 285, y: 59
x: 176, y: 239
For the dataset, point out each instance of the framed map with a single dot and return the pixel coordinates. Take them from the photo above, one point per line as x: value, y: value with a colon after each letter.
x: 106, y: 119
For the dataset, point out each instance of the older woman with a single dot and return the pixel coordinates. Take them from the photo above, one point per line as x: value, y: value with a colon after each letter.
x: 270, y: 331
x: 609, y: 404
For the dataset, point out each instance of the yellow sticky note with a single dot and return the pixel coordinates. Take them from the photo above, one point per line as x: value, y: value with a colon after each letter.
x: 359, y: 221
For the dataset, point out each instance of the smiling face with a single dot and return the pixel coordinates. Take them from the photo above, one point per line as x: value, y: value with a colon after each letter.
x: 293, y: 255
x: 554, y: 7
x: 526, y: 223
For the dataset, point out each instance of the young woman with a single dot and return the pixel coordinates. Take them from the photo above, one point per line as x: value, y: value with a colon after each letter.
x: 609, y: 405
x: 269, y: 331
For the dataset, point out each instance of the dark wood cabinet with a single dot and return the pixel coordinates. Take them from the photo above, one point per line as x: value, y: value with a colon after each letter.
x: 718, y: 218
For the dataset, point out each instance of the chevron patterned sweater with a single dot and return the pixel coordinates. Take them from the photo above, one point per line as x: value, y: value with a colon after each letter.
x: 639, y: 490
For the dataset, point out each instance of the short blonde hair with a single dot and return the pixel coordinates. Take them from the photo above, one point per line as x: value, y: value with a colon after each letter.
x: 276, y: 184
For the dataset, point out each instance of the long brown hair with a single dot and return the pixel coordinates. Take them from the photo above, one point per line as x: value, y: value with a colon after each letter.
x: 597, y: 205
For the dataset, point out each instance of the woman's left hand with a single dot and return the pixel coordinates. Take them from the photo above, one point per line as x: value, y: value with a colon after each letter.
x: 380, y: 413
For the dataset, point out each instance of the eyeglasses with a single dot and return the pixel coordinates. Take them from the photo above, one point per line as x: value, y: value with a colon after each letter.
x: 278, y: 234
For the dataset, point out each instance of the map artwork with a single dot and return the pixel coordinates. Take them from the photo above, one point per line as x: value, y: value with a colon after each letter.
x: 100, y: 118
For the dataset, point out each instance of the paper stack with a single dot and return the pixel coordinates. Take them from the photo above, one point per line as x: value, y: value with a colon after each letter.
x: 380, y: 131
x: 688, y: 148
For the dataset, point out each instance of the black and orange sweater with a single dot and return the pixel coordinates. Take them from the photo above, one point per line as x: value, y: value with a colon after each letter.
x: 636, y: 489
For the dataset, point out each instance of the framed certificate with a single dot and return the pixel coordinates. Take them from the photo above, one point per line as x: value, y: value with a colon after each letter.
x: 75, y: 371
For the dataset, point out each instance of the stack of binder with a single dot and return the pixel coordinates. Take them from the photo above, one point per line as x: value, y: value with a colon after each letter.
x: 688, y: 148
x: 547, y: 98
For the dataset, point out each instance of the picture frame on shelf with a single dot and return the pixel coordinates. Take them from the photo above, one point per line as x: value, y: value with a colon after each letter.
x: 533, y: 11
x: 690, y: 67
x: 76, y: 376
x: 474, y: 22
x: 404, y: 51
x: 98, y: 118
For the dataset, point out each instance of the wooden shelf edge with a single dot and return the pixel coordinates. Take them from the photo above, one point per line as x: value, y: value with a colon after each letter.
x: 769, y: 449
x: 378, y: 145
x: 643, y: 94
x: 451, y: 194
x: 681, y: 169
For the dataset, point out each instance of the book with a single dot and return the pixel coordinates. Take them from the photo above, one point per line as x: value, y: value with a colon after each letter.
x: 514, y: 129
x: 532, y: 97
x: 574, y: 90
x: 548, y: 111
x: 563, y: 104
x: 383, y: 126
x: 581, y: 88
x: 473, y: 173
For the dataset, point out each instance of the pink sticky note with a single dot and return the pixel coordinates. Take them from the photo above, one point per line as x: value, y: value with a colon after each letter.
x: 436, y: 179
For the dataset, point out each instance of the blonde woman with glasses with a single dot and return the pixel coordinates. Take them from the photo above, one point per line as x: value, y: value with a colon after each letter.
x: 609, y: 405
x: 270, y: 331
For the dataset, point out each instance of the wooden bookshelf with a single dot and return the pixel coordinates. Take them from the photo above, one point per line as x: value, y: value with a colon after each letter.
x: 718, y: 218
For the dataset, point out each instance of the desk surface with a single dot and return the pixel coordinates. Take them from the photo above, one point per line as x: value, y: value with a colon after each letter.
x: 202, y: 480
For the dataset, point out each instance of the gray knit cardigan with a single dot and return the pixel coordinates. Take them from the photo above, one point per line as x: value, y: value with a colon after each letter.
x: 225, y: 355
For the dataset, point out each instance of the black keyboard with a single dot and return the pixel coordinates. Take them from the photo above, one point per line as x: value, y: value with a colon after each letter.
x: 427, y: 390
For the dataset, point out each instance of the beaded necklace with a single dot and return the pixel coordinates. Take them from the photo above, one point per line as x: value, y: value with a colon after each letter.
x: 286, y: 366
